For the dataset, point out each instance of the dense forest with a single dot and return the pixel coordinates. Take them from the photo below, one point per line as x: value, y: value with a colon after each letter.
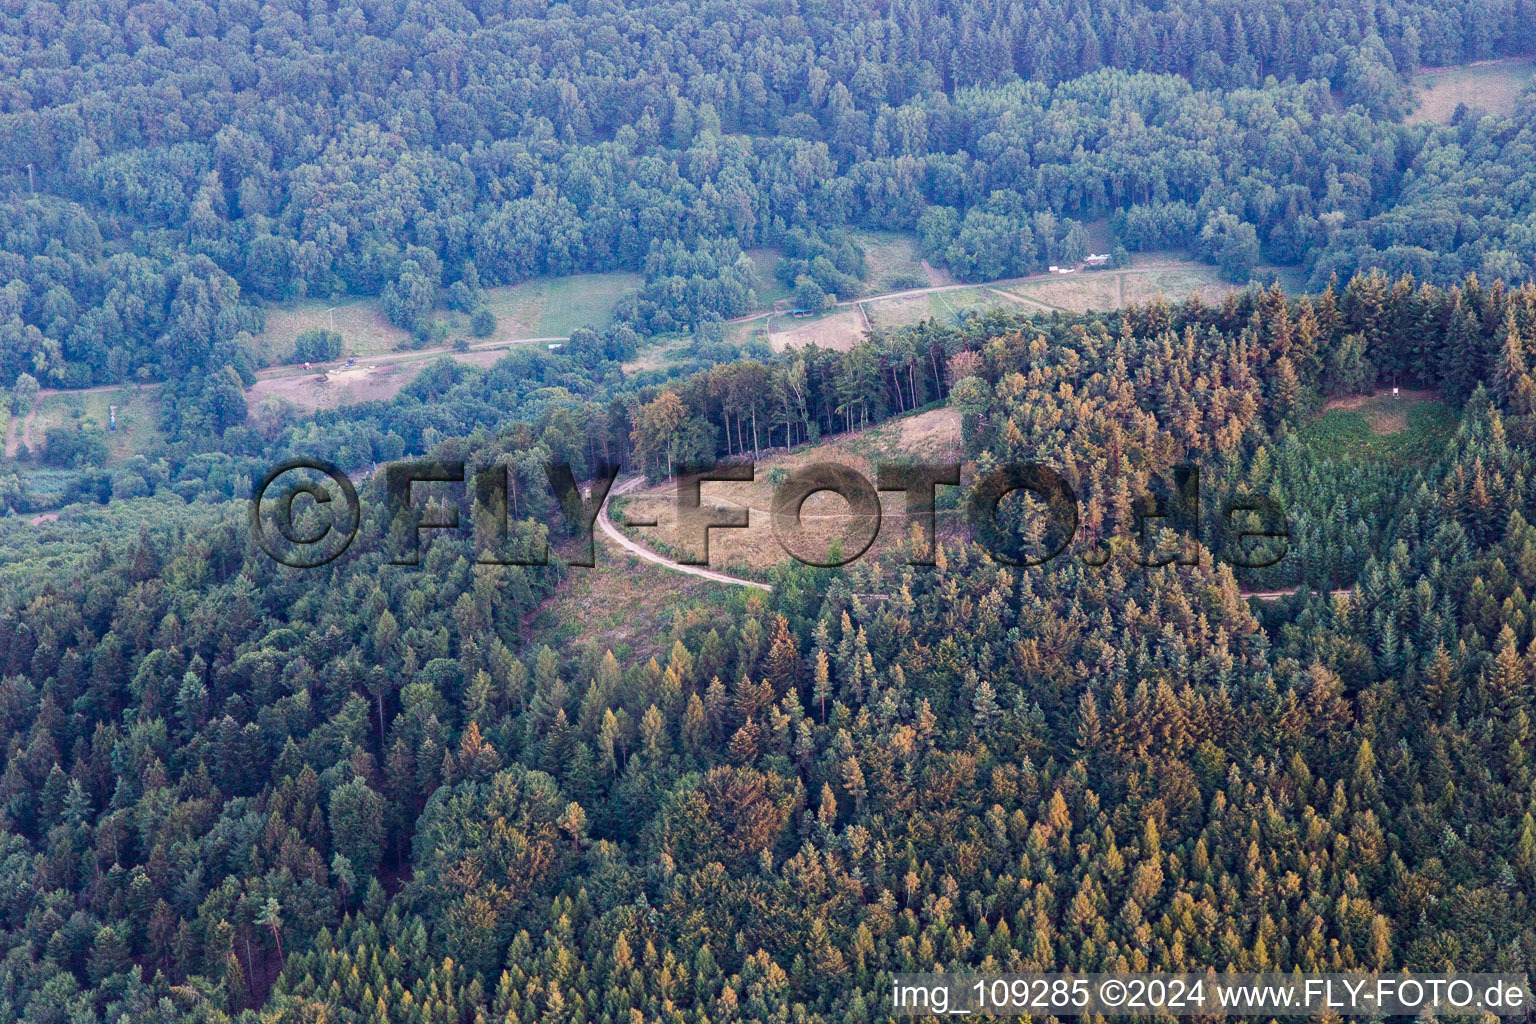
x: 358, y: 796
x: 238, y: 793
x: 168, y: 167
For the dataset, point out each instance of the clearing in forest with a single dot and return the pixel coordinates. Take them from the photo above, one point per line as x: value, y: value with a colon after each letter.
x: 364, y: 382
x: 1489, y: 85
x: 625, y: 605
x: 1409, y: 428
x: 947, y: 307
x: 769, y: 288
x: 548, y: 307
x: 933, y: 436
x: 541, y: 308
x: 360, y: 321
x: 894, y: 262
x: 840, y: 330
x: 138, y: 420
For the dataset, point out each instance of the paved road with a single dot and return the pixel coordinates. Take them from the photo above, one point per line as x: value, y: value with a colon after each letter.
x: 612, y: 533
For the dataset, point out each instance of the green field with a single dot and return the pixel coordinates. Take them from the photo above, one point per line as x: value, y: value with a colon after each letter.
x: 542, y: 308
x: 1400, y: 431
x: 770, y: 289
x: 551, y: 307
x: 945, y: 307
x: 893, y: 259
x: 363, y: 327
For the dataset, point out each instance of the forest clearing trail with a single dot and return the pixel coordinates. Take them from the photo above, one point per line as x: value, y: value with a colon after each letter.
x: 612, y: 533
x: 1275, y: 595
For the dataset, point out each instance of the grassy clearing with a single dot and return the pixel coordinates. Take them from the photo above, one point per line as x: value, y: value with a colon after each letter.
x: 770, y: 289
x: 625, y: 604
x: 1404, y: 431
x: 585, y: 300
x: 361, y: 323
x: 1081, y: 292
x: 662, y: 352
x: 1174, y: 284
x: 825, y: 518
x: 138, y: 419
x: 893, y: 258
x: 542, y: 308
x: 1490, y: 85
x: 1101, y: 237
x: 945, y: 307
x: 550, y: 307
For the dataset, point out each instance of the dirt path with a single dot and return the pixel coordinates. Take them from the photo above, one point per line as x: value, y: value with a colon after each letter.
x: 912, y: 293
x: 20, y: 431
x: 411, y: 355
x: 612, y: 533
x: 1031, y: 303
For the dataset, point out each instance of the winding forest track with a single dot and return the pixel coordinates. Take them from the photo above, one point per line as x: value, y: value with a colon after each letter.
x: 613, y: 533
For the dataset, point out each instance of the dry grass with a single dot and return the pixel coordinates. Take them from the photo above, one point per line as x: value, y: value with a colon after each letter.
x: 1490, y: 85
x: 361, y: 323
x: 941, y: 306
x: 1081, y: 292
x: 839, y: 330
x: 1173, y: 283
x: 825, y: 517
x: 625, y: 604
